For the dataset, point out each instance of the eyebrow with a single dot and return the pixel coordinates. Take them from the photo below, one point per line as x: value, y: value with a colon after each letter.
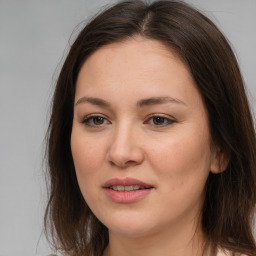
x: 94, y: 101
x: 158, y: 100
x: 141, y: 103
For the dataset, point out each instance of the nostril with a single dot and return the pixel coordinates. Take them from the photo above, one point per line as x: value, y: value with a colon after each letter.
x: 124, y: 154
x: 123, y: 164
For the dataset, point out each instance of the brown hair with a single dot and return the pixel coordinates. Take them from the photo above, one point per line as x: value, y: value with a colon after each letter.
x: 230, y: 196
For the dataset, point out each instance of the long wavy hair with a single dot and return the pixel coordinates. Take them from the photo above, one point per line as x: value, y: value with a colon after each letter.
x: 230, y: 196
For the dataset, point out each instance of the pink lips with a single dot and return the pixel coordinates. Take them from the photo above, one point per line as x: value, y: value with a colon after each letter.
x: 126, y: 196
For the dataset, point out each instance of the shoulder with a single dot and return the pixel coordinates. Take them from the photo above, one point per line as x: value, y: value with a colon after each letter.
x: 50, y: 255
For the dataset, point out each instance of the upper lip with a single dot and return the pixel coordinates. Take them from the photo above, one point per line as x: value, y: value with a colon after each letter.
x: 125, y: 182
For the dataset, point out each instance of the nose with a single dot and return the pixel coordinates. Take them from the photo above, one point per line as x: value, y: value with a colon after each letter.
x: 125, y: 149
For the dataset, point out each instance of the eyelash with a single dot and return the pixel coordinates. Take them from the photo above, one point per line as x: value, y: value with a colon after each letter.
x: 88, y: 119
x: 168, y: 121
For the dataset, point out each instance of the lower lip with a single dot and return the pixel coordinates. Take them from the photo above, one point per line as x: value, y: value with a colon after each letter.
x: 127, y: 196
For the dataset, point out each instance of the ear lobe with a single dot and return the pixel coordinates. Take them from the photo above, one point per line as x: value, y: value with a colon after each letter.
x: 220, y: 161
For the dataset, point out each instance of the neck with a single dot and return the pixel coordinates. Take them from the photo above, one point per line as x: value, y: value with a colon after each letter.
x: 177, y: 242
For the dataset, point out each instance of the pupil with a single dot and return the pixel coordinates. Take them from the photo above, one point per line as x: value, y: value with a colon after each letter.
x: 158, y: 120
x: 98, y: 120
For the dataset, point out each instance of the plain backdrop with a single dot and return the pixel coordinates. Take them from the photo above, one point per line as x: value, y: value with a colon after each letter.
x: 34, y: 36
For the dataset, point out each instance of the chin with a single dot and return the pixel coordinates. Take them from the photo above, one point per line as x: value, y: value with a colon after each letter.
x: 130, y: 228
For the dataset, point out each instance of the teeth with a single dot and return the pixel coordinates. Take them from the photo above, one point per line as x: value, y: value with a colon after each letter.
x: 126, y: 188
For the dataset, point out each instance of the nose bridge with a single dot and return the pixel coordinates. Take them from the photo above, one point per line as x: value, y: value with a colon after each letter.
x: 122, y: 132
x: 124, y: 148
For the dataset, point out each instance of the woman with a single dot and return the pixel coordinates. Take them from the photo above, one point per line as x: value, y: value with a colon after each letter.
x: 151, y: 143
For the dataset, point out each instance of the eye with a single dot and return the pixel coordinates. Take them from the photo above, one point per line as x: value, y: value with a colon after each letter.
x: 95, y: 121
x: 160, y: 121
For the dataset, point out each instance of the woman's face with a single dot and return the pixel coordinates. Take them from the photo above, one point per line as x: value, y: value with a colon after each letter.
x: 140, y: 139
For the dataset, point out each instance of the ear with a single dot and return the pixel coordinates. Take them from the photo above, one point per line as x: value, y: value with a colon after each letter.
x: 219, y: 161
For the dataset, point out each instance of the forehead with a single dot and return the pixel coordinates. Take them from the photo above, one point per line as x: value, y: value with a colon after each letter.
x: 148, y: 54
x: 135, y: 67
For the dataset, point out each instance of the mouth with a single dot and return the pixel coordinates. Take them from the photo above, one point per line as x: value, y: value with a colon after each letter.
x: 127, y: 190
x: 126, y: 184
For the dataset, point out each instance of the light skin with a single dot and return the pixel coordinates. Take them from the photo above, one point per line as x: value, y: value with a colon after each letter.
x: 149, y: 123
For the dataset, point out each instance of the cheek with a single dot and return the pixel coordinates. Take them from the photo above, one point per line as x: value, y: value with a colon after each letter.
x: 182, y: 168
x: 182, y: 159
x: 88, y: 158
x: 87, y: 154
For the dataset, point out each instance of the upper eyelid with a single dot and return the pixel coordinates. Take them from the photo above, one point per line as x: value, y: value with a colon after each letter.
x: 162, y: 115
x: 95, y: 115
x: 151, y: 115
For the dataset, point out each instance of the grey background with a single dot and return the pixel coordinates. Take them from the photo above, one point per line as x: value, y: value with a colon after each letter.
x: 34, y: 37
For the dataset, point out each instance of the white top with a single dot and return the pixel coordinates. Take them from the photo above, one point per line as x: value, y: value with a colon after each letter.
x: 226, y: 253
x: 220, y: 253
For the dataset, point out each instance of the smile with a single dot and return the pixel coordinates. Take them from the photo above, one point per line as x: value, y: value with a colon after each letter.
x: 127, y: 190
